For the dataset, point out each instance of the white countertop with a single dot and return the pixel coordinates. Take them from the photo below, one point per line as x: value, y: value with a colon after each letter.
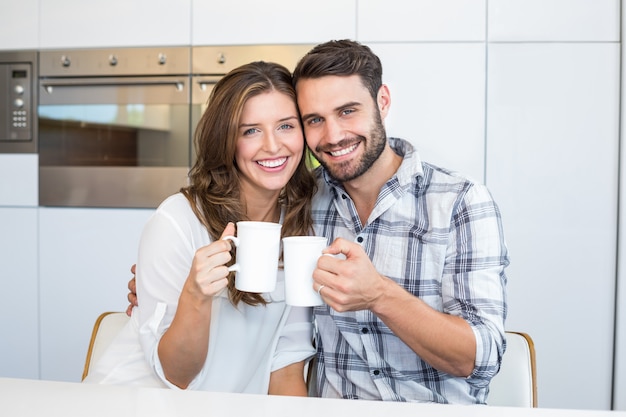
x: 22, y: 397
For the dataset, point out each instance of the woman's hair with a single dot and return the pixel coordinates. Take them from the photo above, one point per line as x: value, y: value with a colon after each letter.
x: 214, y: 190
x: 342, y: 58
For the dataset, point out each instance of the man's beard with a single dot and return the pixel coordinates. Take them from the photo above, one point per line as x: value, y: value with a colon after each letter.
x: 350, y: 170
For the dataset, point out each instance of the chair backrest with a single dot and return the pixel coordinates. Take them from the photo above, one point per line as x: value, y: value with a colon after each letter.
x: 107, y: 326
x: 516, y: 383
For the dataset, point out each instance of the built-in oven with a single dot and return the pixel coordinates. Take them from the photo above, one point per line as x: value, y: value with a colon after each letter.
x: 18, y: 102
x: 114, y: 126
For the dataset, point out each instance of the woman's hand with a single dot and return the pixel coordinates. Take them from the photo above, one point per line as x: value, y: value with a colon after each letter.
x: 208, y: 274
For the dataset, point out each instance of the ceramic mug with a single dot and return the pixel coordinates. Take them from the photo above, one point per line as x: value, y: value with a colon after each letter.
x: 258, y: 249
x: 300, y: 259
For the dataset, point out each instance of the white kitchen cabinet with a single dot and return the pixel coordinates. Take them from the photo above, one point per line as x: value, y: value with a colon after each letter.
x: 78, y: 23
x: 421, y: 20
x: 20, y: 180
x: 19, y: 293
x: 552, y: 165
x: 554, y: 20
x: 85, y: 256
x: 19, y: 24
x: 438, y: 101
x: 271, y: 21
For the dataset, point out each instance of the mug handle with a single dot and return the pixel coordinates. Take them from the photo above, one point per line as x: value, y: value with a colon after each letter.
x: 235, y: 240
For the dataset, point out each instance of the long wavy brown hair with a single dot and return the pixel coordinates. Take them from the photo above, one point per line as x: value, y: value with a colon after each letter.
x: 214, y: 190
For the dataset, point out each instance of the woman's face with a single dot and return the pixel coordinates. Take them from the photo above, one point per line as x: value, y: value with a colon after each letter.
x: 270, y: 142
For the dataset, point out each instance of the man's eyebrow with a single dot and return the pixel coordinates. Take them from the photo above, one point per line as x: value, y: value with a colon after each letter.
x: 336, y: 109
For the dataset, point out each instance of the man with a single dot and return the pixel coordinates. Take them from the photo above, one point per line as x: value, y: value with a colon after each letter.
x: 415, y: 307
x: 416, y: 310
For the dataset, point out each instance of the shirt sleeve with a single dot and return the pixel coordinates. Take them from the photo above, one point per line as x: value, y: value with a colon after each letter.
x: 164, y: 259
x: 295, y: 342
x: 474, y: 282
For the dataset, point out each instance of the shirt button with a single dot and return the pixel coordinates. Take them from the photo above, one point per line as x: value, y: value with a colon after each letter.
x: 359, y: 239
x: 364, y: 330
x: 344, y: 196
x: 376, y: 372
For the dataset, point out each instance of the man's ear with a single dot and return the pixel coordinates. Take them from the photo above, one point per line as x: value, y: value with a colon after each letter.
x: 383, y: 100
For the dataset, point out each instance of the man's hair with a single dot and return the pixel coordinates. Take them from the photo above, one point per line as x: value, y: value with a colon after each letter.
x: 342, y: 58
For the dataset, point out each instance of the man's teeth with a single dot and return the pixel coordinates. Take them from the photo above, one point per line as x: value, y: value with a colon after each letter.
x: 344, y: 151
x: 272, y: 163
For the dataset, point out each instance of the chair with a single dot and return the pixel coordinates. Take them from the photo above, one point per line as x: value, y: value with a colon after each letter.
x: 516, y: 383
x: 105, y: 329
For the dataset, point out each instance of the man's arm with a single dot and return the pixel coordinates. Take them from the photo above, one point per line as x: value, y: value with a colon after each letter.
x: 446, y: 342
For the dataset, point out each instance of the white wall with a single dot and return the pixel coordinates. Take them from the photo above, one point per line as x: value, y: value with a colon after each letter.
x: 521, y: 94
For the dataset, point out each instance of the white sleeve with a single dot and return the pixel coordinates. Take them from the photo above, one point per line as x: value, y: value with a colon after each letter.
x: 295, y: 342
x: 164, y: 260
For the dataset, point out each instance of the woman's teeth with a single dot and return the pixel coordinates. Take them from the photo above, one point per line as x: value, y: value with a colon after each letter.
x: 272, y: 163
x: 344, y: 151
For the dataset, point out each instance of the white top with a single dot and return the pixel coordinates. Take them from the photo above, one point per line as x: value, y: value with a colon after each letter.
x: 246, y: 343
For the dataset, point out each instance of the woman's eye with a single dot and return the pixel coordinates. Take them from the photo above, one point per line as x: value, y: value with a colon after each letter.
x: 285, y: 126
x: 249, y: 131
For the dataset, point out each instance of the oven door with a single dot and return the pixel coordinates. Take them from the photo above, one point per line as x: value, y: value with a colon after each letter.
x: 113, y: 141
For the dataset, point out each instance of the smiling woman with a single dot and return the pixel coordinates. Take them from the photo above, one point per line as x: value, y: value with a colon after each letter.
x: 193, y: 329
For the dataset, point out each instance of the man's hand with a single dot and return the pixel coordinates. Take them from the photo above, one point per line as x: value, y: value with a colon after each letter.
x: 348, y: 284
x: 132, y: 295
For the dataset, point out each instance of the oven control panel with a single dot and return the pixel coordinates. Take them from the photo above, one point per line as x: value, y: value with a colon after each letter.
x: 16, y: 119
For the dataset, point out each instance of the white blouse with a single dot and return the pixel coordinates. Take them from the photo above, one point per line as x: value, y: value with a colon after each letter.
x: 245, y: 344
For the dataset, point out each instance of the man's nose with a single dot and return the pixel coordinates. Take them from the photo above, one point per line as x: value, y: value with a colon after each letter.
x: 332, y: 131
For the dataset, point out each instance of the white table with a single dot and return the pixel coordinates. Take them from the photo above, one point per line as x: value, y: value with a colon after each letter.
x: 22, y: 397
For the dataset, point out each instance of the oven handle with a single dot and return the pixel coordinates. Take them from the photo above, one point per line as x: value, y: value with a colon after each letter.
x: 49, y: 85
x: 205, y: 81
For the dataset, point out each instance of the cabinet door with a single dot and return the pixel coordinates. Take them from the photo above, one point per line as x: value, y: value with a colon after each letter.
x: 438, y: 101
x: 554, y: 20
x: 20, y: 181
x: 114, y: 23
x: 552, y: 164
x: 85, y: 257
x: 19, y: 293
x: 19, y: 24
x: 421, y: 20
x: 271, y: 21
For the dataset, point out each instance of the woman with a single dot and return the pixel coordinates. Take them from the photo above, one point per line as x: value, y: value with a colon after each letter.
x: 193, y: 329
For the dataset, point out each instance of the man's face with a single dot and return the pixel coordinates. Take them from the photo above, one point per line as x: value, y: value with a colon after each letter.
x: 342, y: 123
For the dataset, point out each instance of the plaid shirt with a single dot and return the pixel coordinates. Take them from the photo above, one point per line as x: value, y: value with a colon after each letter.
x: 440, y: 237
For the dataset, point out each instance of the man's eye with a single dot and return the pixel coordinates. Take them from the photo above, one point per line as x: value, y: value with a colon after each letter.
x: 314, y: 120
x: 347, y: 111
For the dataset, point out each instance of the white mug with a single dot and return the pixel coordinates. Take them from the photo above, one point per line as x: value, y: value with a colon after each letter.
x: 300, y: 259
x: 258, y: 249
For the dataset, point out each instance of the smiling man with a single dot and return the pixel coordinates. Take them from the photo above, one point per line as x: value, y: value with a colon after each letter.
x: 415, y: 307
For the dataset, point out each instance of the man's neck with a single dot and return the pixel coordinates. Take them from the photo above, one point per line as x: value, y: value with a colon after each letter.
x: 364, y: 190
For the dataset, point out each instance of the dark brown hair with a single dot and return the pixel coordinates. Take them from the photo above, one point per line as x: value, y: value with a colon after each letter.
x: 214, y: 191
x: 342, y: 58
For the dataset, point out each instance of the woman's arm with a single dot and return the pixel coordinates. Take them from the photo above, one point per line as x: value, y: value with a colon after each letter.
x: 184, y: 346
x: 288, y: 381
